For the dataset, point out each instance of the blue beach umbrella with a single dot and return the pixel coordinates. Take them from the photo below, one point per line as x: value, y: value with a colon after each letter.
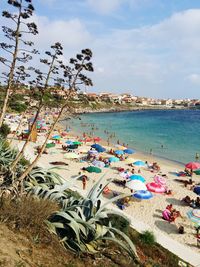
x: 113, y: 159
x: 98, y: 147
x: 57, y: 137
x: 137, y: 177
x: 139, y: 163
x: 69, y: 142
x: 129, y: 151
x: 194, y: 215
x: 197, y: 190
x: 119, y: 152
x: 143, y: 194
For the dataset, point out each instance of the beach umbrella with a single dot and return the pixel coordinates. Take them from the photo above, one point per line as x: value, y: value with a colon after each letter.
x: 139, y: 163
x: 156, y: 188
x: 92, y: 152
x: 119, y: 152
x: 56, y: 137
x: 120, y: 147
x: 71, y: 155
x: 125, y: 174
x: 98, y: 163
x: 160, y: 180
x: 197, y: 172
x: 69, y: 142
x: 197, y: 190
x: 93, y: 169
x: 113, y: 159
x: 97, y: 139
x: 98, y: 147
x: 194, y: 215
x: 77, y: 143
x: 143, y: 194
x: 129, y: 151
x: 193, y: 165
x: 137, y: 177
x: 136, y: 185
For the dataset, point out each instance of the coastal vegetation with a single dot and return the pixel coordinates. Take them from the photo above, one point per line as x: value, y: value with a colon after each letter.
x: 35, y: 201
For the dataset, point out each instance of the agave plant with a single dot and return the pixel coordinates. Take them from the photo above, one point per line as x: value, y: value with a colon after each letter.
x: 81, y: 222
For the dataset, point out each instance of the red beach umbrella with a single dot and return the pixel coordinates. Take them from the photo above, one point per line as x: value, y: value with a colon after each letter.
x: 193, y: 165
x: 97, y: 139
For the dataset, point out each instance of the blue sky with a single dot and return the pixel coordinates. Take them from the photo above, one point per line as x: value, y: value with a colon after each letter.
x: 145, y: 47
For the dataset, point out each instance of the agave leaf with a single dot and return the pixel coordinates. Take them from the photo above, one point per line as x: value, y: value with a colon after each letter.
x: 91, y: 249
x: 127, y: 240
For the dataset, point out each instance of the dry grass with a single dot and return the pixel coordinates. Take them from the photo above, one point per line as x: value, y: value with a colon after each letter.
x: 26, y: 214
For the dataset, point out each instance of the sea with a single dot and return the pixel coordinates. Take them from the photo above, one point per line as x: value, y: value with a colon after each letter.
x: 171, y: 134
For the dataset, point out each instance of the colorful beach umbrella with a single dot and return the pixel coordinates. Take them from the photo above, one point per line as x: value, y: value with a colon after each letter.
x: 120, y: 147
x: 136, y: 185
x: 194, y: 215
x: 98, y: 163
x: 160, y: 180
x: 143, y: 194
x: 113, y: 159
x: 97, y: 139
x: 56, y: 137
x: 98, y: 147
x: 156, y: 188
x: 69, y: 142
x: 197, y: 172
x: 119, y: 152
x: 93, y: 169
x: 71, y: 155
x: 193, y: 165
x: 92, y: 152
x: 197, y: 190
x: 137, y: 177
x: 139, y: 163
x: 77, y: 143
x: 129, y: 151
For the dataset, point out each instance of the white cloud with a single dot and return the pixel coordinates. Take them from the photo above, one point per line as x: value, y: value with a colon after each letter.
x: 104, y: 6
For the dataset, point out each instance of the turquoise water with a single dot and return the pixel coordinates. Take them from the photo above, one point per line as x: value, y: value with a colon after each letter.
x: 173, y: 134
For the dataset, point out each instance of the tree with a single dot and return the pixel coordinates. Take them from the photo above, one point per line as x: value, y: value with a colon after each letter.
x: 73, y: 77
x: 42, y: 83
x: 16, y: 46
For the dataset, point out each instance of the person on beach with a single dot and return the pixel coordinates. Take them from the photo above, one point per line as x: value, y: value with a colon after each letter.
x: 197, y: 156
x: 84, y: 179
x: 151, y: 151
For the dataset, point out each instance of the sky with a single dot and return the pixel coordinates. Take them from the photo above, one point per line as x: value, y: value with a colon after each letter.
x: 143, y: 47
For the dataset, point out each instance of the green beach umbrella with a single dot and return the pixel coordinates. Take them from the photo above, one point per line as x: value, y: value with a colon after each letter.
x: 197, y: 172
x: 93, y: 169
x: 77, y: 143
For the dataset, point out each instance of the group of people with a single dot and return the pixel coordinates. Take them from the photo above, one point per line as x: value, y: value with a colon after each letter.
x: 194, y: 203
x: 170, y: 214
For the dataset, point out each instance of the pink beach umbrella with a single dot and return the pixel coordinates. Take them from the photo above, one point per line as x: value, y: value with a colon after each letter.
x: 156, y: 188
x: 160, y: 180
x: 193, y: 165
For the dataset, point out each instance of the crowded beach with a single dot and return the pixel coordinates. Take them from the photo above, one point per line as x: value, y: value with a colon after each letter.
x: 164, y: 194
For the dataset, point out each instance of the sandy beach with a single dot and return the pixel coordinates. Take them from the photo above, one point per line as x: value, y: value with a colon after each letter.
x: 146, y: 211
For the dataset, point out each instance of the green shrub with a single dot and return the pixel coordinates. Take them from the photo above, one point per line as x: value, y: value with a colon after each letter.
x: 119, y: 223
x: 148, y: 238
x: 4, y: 130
